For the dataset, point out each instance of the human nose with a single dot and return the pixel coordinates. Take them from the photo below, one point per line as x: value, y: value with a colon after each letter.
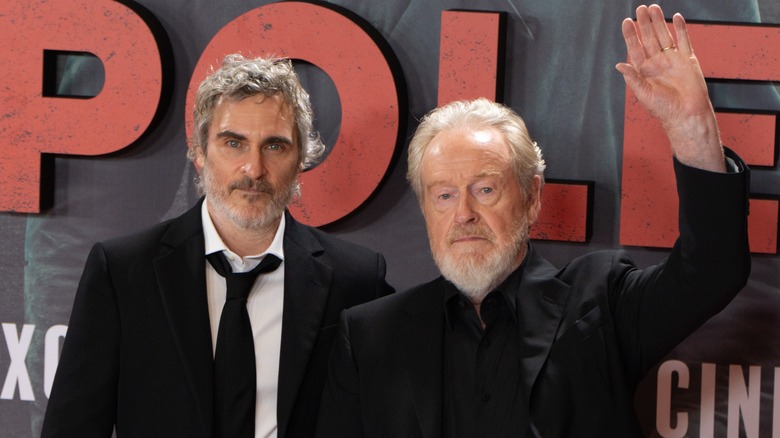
x: 254, y: 165
x: 465, y: 212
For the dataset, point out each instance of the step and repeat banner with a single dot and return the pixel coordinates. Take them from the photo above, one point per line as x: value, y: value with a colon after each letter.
x: 94, y: 121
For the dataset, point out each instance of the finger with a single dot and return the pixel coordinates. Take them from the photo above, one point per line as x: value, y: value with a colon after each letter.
x: 681, y: 30
x: 646, y: 31
x: 633, y: 80
x: 636, y: 53
x: 628, y: 71
x: 662, y: 34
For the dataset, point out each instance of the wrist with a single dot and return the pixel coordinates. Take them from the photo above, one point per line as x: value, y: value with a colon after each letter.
x: 695, y: 142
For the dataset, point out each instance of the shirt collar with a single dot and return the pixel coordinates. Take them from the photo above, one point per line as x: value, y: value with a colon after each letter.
x: 509, y: 288
x: 214, y: 242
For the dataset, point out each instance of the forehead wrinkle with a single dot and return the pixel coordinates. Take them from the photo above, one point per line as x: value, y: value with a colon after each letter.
x: 488, y: 172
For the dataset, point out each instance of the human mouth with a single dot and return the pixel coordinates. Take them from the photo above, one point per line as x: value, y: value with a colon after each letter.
x: 468, y: 235
x: 468, y: 239
x: 254, y: 191
x: 253, y: 187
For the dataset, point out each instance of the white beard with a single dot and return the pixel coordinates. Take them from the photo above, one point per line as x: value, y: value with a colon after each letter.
x: 475, y: 274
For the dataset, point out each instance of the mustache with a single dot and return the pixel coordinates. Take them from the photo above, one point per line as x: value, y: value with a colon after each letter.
x: 254, y: 185
x: 472, y: 230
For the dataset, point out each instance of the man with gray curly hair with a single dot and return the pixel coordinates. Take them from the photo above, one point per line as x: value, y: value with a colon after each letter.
x: 162, y: 342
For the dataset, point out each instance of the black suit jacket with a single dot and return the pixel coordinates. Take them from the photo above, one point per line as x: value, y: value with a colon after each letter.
x: 138, y: 350
x: 589, y: 332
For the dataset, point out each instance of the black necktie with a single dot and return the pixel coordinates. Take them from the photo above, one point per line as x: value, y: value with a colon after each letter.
x: 235, y: 380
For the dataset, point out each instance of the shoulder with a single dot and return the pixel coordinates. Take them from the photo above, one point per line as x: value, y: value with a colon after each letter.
x: 137, y: 242
x: 380, y: 322
x: 598, y: 264
x: 420, y: 298
x: 591, y: 276
x: 325, y: 245
x: 589, y: 266
x: 149, y: 235
x: 154, y: 239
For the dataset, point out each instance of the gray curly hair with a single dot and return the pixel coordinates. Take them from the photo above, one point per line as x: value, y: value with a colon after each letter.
x: 526, y: 156
x: 239, y: 78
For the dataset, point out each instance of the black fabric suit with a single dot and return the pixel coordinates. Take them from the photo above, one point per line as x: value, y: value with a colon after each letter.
x: 138, y: 350
x: 589, y: 332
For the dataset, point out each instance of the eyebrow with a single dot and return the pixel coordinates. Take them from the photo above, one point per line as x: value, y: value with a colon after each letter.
x: 230, y: 134
x: 488, y: 172
x: 273, y: 139
x: 278, y: 139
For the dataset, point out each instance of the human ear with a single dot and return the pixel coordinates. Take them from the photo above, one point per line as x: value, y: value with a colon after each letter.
x: 535, y: 201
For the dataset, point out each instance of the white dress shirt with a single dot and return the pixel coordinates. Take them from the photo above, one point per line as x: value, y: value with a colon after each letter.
x: 265, y: 305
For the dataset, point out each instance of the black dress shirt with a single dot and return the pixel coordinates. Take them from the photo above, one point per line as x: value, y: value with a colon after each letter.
x: 482, y: 390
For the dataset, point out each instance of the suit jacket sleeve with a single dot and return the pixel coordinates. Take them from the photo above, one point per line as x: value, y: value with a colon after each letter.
x: 83, y: 396
x: 657, y: 308
x: 340, y: 408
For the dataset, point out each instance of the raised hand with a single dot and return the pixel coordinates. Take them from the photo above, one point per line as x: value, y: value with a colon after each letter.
x: 666, y: 78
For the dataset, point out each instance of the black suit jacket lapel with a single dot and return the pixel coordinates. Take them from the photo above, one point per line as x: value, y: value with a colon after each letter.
x: 422, y: 342
x: 540, y: 306
x: 181, y: 275
x: 306, y: 285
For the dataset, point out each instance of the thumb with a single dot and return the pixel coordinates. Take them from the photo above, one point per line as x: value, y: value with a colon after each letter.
x: 630, y: 75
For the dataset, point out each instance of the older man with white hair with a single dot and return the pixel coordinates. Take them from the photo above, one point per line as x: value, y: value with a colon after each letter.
x: 506, y: 345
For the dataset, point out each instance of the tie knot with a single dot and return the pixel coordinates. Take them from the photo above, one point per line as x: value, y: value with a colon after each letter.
x: 239, y: 284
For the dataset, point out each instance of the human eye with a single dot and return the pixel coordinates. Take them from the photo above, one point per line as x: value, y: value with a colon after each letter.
x: 486, y: 193
x: 442, y: 198
x: 276, y: 146
x: 484, y: 190
x: 233, y: 143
